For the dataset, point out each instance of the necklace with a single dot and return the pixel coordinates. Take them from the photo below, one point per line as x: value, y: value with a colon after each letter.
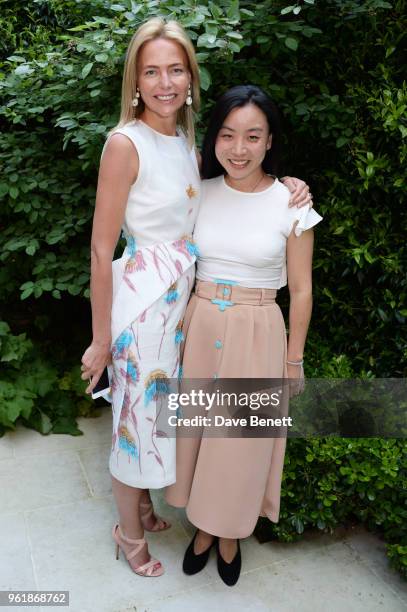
x: 256, y: 185
x: 258, y: 182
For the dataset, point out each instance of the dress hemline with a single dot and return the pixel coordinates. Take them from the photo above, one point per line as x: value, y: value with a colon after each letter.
x: 143, y: 484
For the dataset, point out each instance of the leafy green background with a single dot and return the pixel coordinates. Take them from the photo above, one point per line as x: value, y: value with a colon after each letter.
x: 334, y: 69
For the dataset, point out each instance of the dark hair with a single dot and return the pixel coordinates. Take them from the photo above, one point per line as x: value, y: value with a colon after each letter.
x: 236, y: 97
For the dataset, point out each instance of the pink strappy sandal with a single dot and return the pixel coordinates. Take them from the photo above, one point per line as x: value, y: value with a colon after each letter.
x: 149, y: 511
x: 148, y: 569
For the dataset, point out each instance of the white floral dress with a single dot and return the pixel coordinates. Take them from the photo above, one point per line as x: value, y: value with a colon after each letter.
x: 151, y: 286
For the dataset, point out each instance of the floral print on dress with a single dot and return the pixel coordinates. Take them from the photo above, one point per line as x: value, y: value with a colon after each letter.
x: 157, y: 384
x: 127, y: 443
x: 136, y: 262
x: 179, y: 336
x: 119, y: 348
x: 131, y: 374
x: 187, y: 247
x: 131, y: 243
x: 172, y: 294
x: 151, y: 286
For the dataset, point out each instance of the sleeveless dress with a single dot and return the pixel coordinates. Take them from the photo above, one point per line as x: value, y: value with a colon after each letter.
x: 234, y: 328
x: 151, y: 286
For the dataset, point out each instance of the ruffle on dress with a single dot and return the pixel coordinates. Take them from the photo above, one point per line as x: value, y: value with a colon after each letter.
x: 142, y: 275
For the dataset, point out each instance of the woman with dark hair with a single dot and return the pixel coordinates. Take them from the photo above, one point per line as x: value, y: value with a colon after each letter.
x: 237, y: 97
x: 249, y: 242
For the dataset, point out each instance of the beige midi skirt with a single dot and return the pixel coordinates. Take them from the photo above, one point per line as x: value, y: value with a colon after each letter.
x: 225, y: 484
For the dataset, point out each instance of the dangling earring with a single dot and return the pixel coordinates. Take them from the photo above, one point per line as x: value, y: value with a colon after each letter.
x: 135, y: 100
x: 188, y: 101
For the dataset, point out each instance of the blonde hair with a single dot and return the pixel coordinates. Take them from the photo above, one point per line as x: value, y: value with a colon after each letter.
x: 151, y: 30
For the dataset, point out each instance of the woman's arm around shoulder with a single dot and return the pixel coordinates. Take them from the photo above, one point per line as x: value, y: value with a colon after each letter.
x: 118, y: 171
x: 299, y: 191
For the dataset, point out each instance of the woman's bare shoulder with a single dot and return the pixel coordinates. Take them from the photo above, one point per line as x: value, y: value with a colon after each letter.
x: 120, y: 143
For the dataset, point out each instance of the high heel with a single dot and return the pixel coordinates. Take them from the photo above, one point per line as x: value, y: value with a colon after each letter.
x: 145, y: 515
x: 147, y: 569
x: 194, y: 563
x: 229, y: 572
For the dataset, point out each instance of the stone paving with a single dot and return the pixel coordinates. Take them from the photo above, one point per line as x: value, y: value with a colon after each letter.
x: 56, y: 515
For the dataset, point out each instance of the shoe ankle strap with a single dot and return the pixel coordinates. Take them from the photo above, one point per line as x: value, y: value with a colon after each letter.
x: 117, y: 528
x: 148, y: 512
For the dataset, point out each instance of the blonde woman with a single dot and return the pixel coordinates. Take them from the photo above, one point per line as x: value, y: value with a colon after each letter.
x: 149, y: 187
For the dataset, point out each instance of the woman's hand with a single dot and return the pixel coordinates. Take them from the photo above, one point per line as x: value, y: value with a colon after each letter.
x: 94, y: 360
x: 296, y: 379
x: 299, y: 190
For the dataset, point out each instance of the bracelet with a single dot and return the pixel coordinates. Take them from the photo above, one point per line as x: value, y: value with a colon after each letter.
x: 297, y: 363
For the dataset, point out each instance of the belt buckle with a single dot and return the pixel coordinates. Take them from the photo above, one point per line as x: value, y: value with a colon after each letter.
x: 224, y: 288
x: 223, y: 293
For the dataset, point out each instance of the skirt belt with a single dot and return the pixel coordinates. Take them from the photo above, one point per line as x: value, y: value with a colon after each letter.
x: 226, y: 293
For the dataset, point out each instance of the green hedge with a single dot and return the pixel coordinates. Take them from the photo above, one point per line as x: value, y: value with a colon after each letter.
x: 327, y: 482
x: 333, y: 68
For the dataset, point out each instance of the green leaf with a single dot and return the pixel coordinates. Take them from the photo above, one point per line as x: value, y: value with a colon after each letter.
x: 46, y: 284
x: 30, y: 250
x: 342, y: 140
x: 5, y: 328
x: 206, y: 39
x: 80, y: 28
x: 23, y: 69
x: 16, y: 58
x: 26, y: 293
x: 215, y: 10
x: 65, y: 425
x: 20, y: 406
x: 291, y: 43
x: 233, y: 34
x: 40, y: 421
x: 27, y: 285
x: 232, y: 12
x: 234, y: 47
x: 205, y: 78
x: 86, y: 69
x: 101, y: 57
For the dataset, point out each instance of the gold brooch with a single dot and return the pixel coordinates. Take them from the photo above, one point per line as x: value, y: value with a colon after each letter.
x: 191, y: 192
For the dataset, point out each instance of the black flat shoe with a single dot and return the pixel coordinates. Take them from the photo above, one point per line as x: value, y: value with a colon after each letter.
x: 229, y: 572
x: 195, y: 563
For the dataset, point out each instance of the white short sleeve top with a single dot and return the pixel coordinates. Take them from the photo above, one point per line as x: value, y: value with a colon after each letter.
x: 242, y: 236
